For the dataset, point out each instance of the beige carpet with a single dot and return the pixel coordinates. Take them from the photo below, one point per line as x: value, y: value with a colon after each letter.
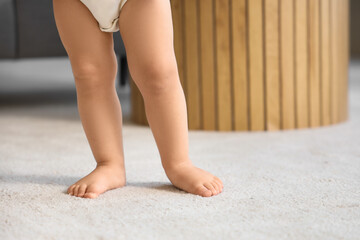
x: 298, y: 184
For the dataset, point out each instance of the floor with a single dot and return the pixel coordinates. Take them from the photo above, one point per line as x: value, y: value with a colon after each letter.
x: 294, y: 184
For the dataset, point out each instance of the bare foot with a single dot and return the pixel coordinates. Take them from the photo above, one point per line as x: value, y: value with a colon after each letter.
x: 100, y: 180
x: 194, y: 180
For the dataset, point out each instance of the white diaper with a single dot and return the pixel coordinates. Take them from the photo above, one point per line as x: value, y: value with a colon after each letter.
x: 106, y: 13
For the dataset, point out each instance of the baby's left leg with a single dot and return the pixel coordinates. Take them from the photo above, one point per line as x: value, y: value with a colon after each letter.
x: 147, y: 31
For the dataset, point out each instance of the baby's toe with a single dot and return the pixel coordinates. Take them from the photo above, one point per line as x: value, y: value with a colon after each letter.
x: 219, y: 186
x: 90, y: 195
x: 71, y: 189
x: 219, y: 181
x: 76, y: 190
x: 93, y: 191
x: 210, y: 187
x: 82, y: 190
x: 203, y: 191
x: 216, y: 186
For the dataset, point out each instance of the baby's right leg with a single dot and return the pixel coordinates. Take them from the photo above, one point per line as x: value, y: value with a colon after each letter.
x: 94, y: 66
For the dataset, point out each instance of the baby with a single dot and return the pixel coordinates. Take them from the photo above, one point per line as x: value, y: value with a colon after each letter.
x: 85, y: 28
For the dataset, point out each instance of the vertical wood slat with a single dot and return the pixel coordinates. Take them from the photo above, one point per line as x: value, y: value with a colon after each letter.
x: 325, y: 61
x: 302, y: 101
x: 314, y: 62
x: 256, y: 68
x: 334, y: 62
x: 260, y: 64
x: 347, y: 59
x: 341, y: 57
x: 138, y: 108
x: 287, y: 10
x: 135, y: 110
x: 207, y: 64
x: 192, y: 64
x: 223, y: 83
x: 343, y: 77
x: 272, y: 75
x: 239, y: 65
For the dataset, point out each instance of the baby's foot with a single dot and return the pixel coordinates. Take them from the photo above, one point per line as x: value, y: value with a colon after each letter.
x: 100, y: 180
x: 194, y: 180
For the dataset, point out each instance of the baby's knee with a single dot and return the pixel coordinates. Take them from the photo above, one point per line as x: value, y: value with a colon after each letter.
x: 157, y: 77
x: 94, y: 74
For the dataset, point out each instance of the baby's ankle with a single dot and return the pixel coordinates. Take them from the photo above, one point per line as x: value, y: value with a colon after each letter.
x: 109, y: 164
x: 176, y: 165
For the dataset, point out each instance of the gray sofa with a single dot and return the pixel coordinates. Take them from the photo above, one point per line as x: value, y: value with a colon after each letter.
x: 28, y: 30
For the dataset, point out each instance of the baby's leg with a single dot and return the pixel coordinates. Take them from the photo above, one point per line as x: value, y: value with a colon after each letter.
x: 94, y: 67
x: 147, y: 31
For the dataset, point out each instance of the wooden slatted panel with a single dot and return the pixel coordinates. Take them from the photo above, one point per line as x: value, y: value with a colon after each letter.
x: 239, y: 65
x: 272, y: 57
x: 335, y: 59
x: 207, y: 64
x: 256, y: 65
x: 223, y: 84
x: 314, y: 62
x: 192, y: 64
x: 301, y: 48
x: 287, y: 64
x: 325, y: 61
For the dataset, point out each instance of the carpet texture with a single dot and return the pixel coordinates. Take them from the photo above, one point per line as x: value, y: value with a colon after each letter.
x: 293, y: 184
